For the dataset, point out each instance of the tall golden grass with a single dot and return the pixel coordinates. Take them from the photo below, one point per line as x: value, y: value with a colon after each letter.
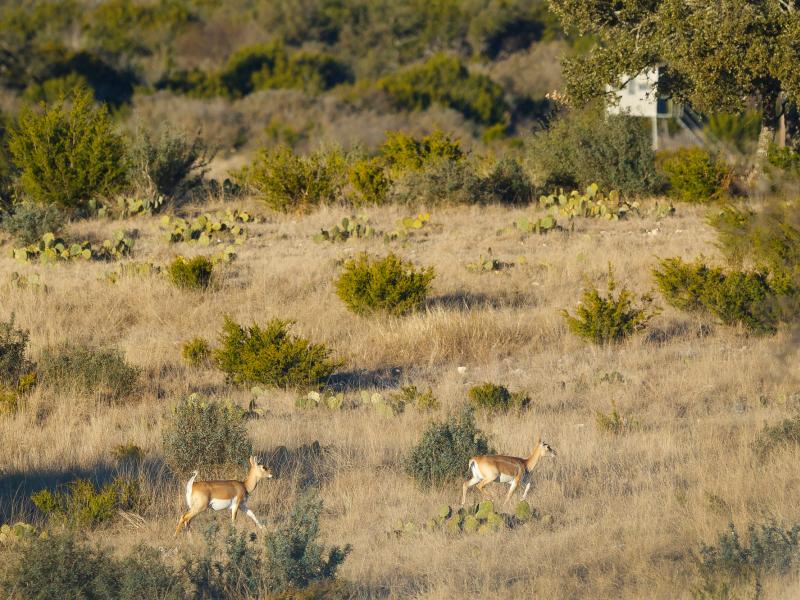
x: 625, y: 511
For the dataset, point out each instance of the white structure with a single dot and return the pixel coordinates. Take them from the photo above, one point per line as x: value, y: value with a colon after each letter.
x: 637, y: 97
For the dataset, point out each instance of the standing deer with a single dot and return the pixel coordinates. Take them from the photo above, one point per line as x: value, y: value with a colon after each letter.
x: 222, y: 494
x: 505, y: 469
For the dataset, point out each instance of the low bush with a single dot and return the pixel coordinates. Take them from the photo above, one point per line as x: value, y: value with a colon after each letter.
x: 60, y: 566
x: 785, y: 158
x: 388, y: 285
x: 444, y: 80
x: 402, y: 152
x: 13, y: 347
x: 410, y: 395
x: 196, y: 352
x: 494, y: 398
x: 103, y: 374
x: 579, y: 149
x: 169, y: 165
x: 442, y: 181
x: 507, y: 183
x: 695, y: 175
x: 608, y: 319
x: 69, y: 153
x: 442, y: 454
x: 191, y: 274
x: 28, y: 222
x: 737, y: 130
x: 781, y: 435
x: 271, y: 356
x: 614, y: 422
x: 288, y: 182
x: 81, y: 504
x: 370, y: 181
x: 727, y: 567
x: 733, y: 297
x: 206, y: 435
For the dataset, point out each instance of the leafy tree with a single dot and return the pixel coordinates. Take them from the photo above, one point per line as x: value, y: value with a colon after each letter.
x: 719, y: 55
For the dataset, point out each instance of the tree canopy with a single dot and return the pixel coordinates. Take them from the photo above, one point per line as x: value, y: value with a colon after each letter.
x: 719, y: 55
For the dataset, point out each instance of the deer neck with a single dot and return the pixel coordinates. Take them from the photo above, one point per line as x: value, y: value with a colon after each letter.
x: 534, y: 457
x: 250, y: 482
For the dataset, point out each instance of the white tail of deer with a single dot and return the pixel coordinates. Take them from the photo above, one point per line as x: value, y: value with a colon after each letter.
x: 222, y: 494
x: 505, y: 469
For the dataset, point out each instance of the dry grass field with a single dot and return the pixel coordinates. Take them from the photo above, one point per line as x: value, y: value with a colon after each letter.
x: 620, y: 514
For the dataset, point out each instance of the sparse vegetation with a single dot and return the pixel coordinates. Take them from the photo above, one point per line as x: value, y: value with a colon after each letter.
x: 99, y: 373
x: 191, y: 274
x: 81, y: 504
x: 29, y: 221
x: 390, y: 285
x: 196, y: 352
x: 495, y: 398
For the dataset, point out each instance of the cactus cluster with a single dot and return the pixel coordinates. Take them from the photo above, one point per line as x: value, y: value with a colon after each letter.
x: 52, y: 249
x: 126, y: 206
x: 208, y: 227
x: 592, y: 203
x: 18, y: 531
x: 477, y: 518
x: 487, y: 264
x: 134, y: 268
x: 29, y: 282
x: 541, y: 225
x: 348, y: 228
x: 408, y: 226
x: 385, y: 406
x: 409, y: 395
x: 322, y: 400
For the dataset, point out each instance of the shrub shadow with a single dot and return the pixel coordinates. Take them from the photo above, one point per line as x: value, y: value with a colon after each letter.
x: 347, y: 381
x: 465, y: 301
x: 311, y: 464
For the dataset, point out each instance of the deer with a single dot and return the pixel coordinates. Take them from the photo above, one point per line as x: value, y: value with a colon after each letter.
x: 222, y: 494
x: 505, y: 469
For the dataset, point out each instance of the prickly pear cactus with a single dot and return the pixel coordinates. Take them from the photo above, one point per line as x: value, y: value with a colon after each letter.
x: 52, y: 249
x: 206, y: 228
x: 349, y: 228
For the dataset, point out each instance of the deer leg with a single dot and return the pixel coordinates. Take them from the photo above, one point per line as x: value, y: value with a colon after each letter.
x: 234, y: 510
x: 466, y: 486
x: 512, y: 486
x: 527, y: 487
x: 482, y: 485
x: 253, y: 516
x: 187, y: 517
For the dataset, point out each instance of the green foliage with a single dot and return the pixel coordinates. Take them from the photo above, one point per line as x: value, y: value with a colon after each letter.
x: 604, y: 320
x: 773, y: 437
x: 588, y: 147
x: 13, y: 346
x: 731, y: 565
x: 614, y: 422
x: 409, y: 395
x: 493, y: 398
x: 52, y: 249
x: 389, y: 285
x: 443, y: 79
x: 191, y: 274
x: 541, y: 225
x: 103, y: 374
x: 60, y: 566
x: 507, y: 183
x: 28, y: 222
x: 208, y: 227
x: 68, y: 153
x: 403, y: 152
x: 591, y: 204
x: 271, y: 356
x: 293, y: 558
x: 205, y: 435
x: 695, y: 175
x: 80, y: 504
x: 732, y: 297
x: 168, y: 166
x: 290, y: 183
x: 441, y: 181
x: 348, y: 228
x: 784, y: 158
x: 478, y: 518
x: 442, y: 454
x: 196, y: 352
x: 738, y: 130
x: 370, y: 180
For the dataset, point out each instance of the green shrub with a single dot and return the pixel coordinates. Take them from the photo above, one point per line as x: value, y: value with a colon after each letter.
x: 290, y: 183
x: 271, y: 356
x: 443, y: 453
x: 732, y: 297
x: 444, y: 80
x: 196, y: 352
x: 13, y: 346
x: 507, y: 183
x: 603, y: 320
x: 80, y: 504
x: 695, y: 175
x: 772, y: 437
x: 191, y: 274
x: 60, y: 566
x: 409, y: 395
x: 206, y: 435
x: 738, y: 130
x: 169, y: 165
x: 68, y: 154
x: 101, y: 373
x: 731, y: 565
x: 785, y: 158
x: 496, y: 398
x: 441, y: 181
x: 370, y: 180
x: 579, y: 149
x: 614, y: 422
x: 28, y: 222
x: 388, y: 285
x: 403, y: 152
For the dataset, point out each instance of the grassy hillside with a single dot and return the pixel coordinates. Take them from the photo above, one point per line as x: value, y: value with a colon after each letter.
x: 618, y: 515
